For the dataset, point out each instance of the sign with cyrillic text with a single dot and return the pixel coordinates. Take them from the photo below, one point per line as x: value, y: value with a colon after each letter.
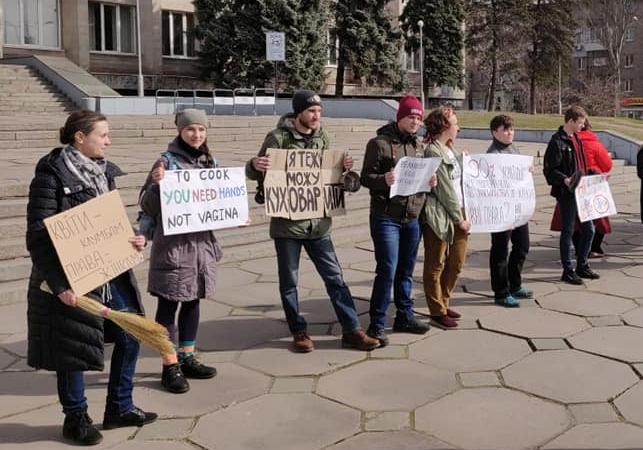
x: 203, y: 199
x: 412, y: 175
x: 91, y: 242
x: 304, y: 183
x: 594, y: 198
x: 499, y: 192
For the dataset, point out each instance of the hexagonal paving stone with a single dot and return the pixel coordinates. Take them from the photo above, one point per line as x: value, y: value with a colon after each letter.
x: 588, y: 304
x: 492, y: 418
x: 276, y: 358
x: 618, y: 285
x: 398, y: 440
x: 533, y: 323
x: 233, y: 384
x: 630, y: 404
x: 9, y: 315
x: 278, y: 421
x: 228, y: 277
x: 469, y: 350
x: 316, y: 310
x: 623, y: 343
x: 634, y: 318
x: 252, y: 295
x: 239, y: 333
x: 6, y: 359
x: 634, y: 271
x: 570, y: 376
x: 21, y: 391
x: 153, y: 445
x: 381, y: 385
x: 600, y: 436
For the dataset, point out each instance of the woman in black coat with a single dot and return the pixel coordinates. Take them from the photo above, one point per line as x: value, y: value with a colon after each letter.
x: 61, y: 337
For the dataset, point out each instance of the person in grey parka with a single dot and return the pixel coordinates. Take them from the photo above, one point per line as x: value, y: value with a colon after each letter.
x: 182, y: 266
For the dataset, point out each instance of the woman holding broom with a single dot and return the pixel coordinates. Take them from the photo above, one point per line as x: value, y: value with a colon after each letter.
x: 63, y: 337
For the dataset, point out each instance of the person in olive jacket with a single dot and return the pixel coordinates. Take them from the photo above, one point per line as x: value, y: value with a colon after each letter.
x: 302, y: 129
x: 182, y: 266
x: 395, y: 229
x: 62, y: 337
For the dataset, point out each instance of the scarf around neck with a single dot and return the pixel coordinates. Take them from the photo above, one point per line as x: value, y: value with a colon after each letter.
x: 91, y: 173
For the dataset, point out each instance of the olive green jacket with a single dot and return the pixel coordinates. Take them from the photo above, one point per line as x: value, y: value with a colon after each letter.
x: 442, y: 209
x: 286, y: 136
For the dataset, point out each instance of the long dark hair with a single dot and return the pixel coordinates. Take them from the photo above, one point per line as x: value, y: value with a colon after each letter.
x: 83, y: 121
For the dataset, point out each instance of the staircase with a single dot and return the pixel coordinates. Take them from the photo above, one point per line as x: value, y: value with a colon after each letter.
x: 23, y: 90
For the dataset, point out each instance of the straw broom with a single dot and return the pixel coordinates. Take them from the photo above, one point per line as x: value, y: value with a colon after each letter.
x: 144, y: 330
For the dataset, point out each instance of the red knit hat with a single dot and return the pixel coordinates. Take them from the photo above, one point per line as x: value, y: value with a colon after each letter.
x: 409, y: 105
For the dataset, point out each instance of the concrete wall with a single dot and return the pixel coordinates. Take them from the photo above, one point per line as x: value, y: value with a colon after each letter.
x: 1, y: 30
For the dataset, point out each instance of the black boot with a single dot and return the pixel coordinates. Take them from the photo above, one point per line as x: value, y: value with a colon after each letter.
x: 78, y: 428
x: 173, y: 379
x: 193, y: 368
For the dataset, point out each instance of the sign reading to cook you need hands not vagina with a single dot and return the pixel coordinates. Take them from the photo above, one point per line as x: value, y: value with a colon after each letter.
x: 91, y: 241
x: 499, y: 192
x: 412, y: 175
x: 203, y: 199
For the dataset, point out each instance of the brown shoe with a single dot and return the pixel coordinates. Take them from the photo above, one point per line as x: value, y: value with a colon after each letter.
x: 302, y: 343
x: 445, y: 321
x: 453, y: 313
x: 359, y: 341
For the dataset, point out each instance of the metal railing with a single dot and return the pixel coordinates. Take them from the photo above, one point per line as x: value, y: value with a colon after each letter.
x: 216, y: 101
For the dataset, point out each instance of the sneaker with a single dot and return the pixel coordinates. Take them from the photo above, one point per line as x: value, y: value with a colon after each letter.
x: 359, y: 341
x: 508, y: 301
x: 453, y: 313
x: 173, y: 379
x: 445, y: 321
x: 571, y: 278
x: 588, y: 273
x: 413, y: 326
x: 193, y: 368
x: 380, y: 335
x: 521, y: 293
x: 302, y: 343
x: 78, y: 428
x: 134, y: 418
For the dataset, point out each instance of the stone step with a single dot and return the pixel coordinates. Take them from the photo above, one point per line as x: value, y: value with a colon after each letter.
x: 15, y: 269
x: 13, y: 292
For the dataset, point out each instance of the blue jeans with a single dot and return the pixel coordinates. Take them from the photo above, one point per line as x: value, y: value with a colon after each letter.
x: 322, y: 254
x: 396, y: 248
x: 71, y: 384
x: 568, y: 216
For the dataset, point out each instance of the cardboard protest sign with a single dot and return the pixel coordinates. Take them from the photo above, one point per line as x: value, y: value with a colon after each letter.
x: 594, y: 198
x: 203, y: 199
x: 499, y: 191
x: 91, y: 242
x: 301, y: 184
x: 412, y: 175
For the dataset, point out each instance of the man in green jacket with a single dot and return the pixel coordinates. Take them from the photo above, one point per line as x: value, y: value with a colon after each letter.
x: 302, y: 129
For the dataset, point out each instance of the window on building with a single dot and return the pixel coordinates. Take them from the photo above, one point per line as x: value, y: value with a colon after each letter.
x: 112, y: 28
x: 627, y: 85
x: 600, y: 61
x: 580, y: 63
x: 411, y: 61
x: 178, y: 34
x: 332, y: 41
x: 629, y: 61
x: 31, y: 22
x: 629, y: 34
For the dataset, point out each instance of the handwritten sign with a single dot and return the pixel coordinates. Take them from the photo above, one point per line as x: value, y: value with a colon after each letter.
x: 412, y: 175
x: 91, y: 242
x: 594, y: 198
x: 499, y: 191
x: 301, y: 184
x: 203, y: 199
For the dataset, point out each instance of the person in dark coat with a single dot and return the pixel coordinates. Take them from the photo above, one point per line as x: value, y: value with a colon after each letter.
x: 62, y: 337
x: 182, y: 266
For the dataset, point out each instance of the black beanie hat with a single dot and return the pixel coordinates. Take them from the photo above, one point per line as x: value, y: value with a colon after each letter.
x: 304, y: 99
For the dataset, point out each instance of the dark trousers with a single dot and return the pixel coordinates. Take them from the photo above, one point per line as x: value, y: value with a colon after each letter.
x: 71, y: 383
x: 568, y: 216
x: 506, y: 272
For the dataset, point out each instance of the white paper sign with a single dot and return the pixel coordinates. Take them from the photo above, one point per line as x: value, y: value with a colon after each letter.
x: 275, y: 46
x: 412, y: 175
x: 203, y: 199
x: 594, y: 198
x: 499, y: 192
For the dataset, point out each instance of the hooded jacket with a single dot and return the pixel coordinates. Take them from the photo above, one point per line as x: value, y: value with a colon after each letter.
x: 286, y: 136
x: 382, y: 154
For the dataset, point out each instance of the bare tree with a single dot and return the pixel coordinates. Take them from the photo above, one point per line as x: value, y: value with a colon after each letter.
x: 611, y: 19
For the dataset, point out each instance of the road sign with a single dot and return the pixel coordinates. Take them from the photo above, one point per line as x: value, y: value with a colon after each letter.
x: 275, y: 46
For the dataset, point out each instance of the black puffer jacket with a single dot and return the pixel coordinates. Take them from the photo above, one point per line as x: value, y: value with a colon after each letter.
x: 382, y: 153
x: 60, y: 337
x: 560, y: 162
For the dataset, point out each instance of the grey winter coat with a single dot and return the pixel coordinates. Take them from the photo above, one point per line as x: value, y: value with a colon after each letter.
x: 182, y: 266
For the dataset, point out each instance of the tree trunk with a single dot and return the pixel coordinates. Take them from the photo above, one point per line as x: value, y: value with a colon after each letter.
x: 492, y: 82
x: 617, y: 93
x: 341, y: 66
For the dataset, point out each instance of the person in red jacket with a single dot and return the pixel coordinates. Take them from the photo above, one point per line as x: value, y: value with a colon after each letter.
x: 598, y: 161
